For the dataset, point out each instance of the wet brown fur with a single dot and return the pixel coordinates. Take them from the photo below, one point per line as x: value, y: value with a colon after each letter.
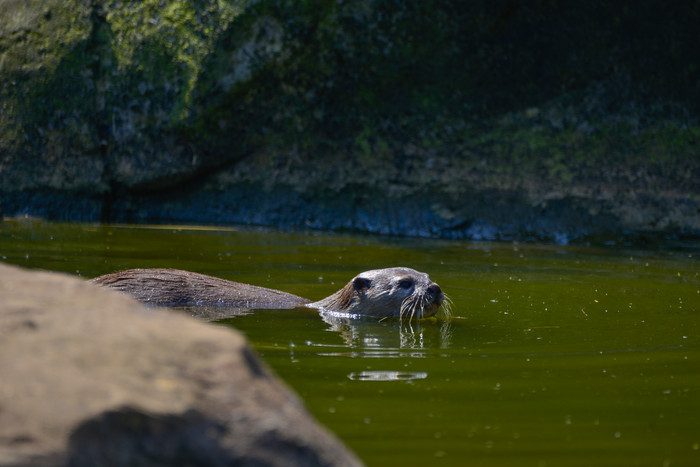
x: 371, y: 293
x: 342, y: 299
x: 173, y: 287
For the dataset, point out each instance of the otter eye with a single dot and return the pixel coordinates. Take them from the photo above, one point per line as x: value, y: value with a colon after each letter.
x: 405, y: 283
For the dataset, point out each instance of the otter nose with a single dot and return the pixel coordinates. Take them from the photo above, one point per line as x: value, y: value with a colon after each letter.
x: 434, y: 290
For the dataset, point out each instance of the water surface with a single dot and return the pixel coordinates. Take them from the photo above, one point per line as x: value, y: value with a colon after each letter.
x: 557, y: 355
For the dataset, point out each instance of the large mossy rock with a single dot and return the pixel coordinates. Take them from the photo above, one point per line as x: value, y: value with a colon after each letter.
x: 95, y: 94
x: 91, y: 377
x: 444, y: 119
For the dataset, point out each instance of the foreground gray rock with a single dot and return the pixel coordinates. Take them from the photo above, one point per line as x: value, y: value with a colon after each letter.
x: 91, y: 377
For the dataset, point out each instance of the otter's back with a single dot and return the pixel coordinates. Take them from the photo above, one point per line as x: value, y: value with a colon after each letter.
x: 173, y: 287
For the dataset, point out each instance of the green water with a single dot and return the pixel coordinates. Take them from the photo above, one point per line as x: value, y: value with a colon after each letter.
x: 556, y: 356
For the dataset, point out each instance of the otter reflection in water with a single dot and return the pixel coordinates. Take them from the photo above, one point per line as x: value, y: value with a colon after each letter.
x: 367, y: 338
x: 402, y: 293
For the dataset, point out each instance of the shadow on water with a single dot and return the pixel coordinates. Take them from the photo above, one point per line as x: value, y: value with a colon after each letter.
x: 358, y: 334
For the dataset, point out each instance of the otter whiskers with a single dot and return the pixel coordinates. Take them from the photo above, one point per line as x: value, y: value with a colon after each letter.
x: 446, y: 306
x: 416, y: 306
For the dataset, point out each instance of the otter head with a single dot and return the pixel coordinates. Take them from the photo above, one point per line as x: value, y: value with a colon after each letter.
x: 387, y: 293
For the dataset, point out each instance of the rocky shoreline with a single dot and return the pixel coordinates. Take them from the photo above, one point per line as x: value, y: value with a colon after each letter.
x: 439, y: 121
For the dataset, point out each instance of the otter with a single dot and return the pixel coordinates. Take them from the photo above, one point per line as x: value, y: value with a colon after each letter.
x: 402, y: 293
x: 399, y: 292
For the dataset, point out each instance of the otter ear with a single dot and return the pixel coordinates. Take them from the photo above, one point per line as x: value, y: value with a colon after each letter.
x: 361, y: 284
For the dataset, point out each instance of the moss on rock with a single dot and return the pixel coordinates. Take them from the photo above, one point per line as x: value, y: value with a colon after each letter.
x: 593, y: 108
x: 103, y: 86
